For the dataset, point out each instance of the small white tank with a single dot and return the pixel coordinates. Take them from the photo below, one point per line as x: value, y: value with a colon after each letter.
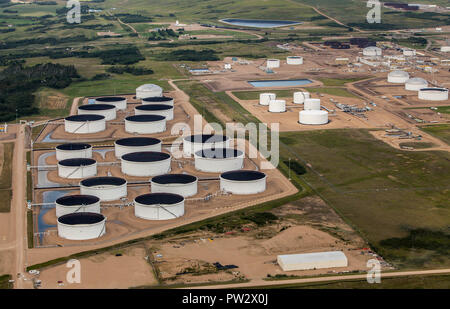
x: 265, y: 98
x: 277, y: 106
x: 301, y: 96
x: 312, y: 105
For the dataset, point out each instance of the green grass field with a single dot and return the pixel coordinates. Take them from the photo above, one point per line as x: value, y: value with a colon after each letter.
x: 439, y: 131
x: 6, y: 177
x: 4, y: 282
x: 443, y: 109
x: 254, y: 95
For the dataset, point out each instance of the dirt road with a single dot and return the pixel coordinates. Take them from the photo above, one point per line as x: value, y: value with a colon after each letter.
x: 74, y: 107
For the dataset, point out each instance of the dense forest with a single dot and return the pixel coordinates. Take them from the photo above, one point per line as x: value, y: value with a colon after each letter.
x: 129, y: 69
x: 189, y: 55
x: 18, y: 83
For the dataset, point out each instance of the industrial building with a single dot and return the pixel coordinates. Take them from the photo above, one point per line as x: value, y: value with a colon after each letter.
x: 105, y: 188
x: 107, y: 110
x: 182, y: 184
x: 77, y: 168
x: 433, y: 94
x: 294, y: 60
x: 219, y: 160
x: 312, y: 105
x: 146, y: 163
x: 136, y: 144
x: 159, y: 206
x: 85, y: 124
x: 409, y: 52
x: 313, y: 117
x: 81, y: 226
x: 277, y: 106
x: 148, y: 91
x: 316, y: 260
x: 398, y: 77
x: 265, y: 98
x: 158, y: 100
x: 372, y: 51
x: 415, y: 84
x: 73, y: 151
x: 197, y: 142
x: 77, y: 203
x: 145, y: 124
x: 243, y: 182
x: 119, y: 102
x: 155, y: 109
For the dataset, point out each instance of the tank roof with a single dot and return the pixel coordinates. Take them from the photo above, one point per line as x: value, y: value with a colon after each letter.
x: 96, y: 107
x: 81, y: 218
x: 74, y: 200
x: 435, y: 89
x: 159, y: 198
x: 98, y: 181
x: 73, y: 146
x: 77, y: 162
x: 219, y: 153
x: 138, y: 141
x: 145, y: 156
x: 153, y: 107
x: 158, y: 99
x: 145, y: 118
x: 110, y: 99
x: 148, y: 87
x: 243, y: 175
x: 83, y: 118
x: 206, y: 138
x: 174, y: 179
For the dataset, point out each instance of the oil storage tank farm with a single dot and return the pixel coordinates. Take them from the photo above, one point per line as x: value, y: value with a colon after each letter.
x: 158, y: 100
x: 155, y: 109
x: 398, y: 77
x: 148, y: 91
x: 145, y: 124
x: 277, y: 106
x: 73, y: 150
x: 194, y: 143
x: 301, y: 96
x: 159, y: 206
x: 415, y: 84
x: 77, y: 203
x: 105, y: 188
x: 107, y: 110
x: 243, y: 182
x: 219, y: 160
x: 433, y: 94
x: 119, y: 102
x: 182, y: 184
x: 265, y: 98
x: 147, y: 163
x: 136, y: 144
x: 81, y: 226
x: 85, y: 124
x: 77, y: 168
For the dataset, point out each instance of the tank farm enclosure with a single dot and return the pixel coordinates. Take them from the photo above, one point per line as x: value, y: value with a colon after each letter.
x: 108, y: 174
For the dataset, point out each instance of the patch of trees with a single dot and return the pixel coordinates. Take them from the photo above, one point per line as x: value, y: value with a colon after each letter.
x: 101, y: 76
x: 162, y: 34
x: 129, y: 69
x: 18, y: 83
x: 421, y: 239
x: 45, y: 3
x: 10, y: 11
x: 126, y: 55
x: 189, y: 55
x: 296, y: 167
x: 411, y: 40
x: 133, y: 18
x: 7, y: 30
x: 91, y: 27
x: 48, y: 40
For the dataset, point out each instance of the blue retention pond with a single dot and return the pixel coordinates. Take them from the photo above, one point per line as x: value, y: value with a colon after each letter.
x: 279, y: 83
x: 259, y: 23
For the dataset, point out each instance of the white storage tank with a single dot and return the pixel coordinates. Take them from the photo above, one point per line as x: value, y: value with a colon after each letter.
x: 119, y: 102
x: 77, y: 203
x: 409, y: 52
x: 148, y: 91
x: 73, y: 151
x: 219, y: 160
x: 398, y: 77
x: 445, y: 49
x: 105, y: 188
x: 243, y: 182
x: 182, y: 184
x: 136, y: 144
x: 273, y: 63
x: 315, y: 260
x: 81, y: 226
x: 77, y: 168
x: 294, y: 60
x: 145, y: 124
x: 194, y: 143
x: 301, y: 96
x: 158, y: 100
x: 433, y: 94
x: 159, y: 206
x: 146, y: 163
x: 107, y: 110
x: 265, y: 98
x: 277, y: 106
x: 313, y: 117
x: 372, y: 51
x: 415, y: 84
x: 312, y: 105
x: 85, y: 124
x: 155, y: 109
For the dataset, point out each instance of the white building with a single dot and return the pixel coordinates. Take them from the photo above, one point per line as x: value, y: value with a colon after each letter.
x: 317, y: 260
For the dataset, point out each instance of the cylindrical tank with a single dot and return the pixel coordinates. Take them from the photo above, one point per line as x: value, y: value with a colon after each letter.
x: 155, y: 109
x: 136, y: 144
x: 301, y: 96
x: 273, y: 63
x: 219, y: 160
x: 105, y: 188
x: 182, y: 184
x: 85, y: 124
x: 77, y: 203
x: 445, y: 49
x: 265, y: 98
x: 294, y: 60
x: 107, y: 110
x: 77, y: 168
x: 145, y: 124
x: 73, y: 151
x: 243, y: 182
x: 433, y: 94
x: 194, y: 143
x: 119, y: 102
x: 158, y: 100
x: 146, y: 163
x: 398, y: 77
x: 415, y: 84
x: 81, y: 226
x: 312, y: 105
x: 277, y: 106
x: 159, y: 206
x: 148, y: 91
x: 313, y: 117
